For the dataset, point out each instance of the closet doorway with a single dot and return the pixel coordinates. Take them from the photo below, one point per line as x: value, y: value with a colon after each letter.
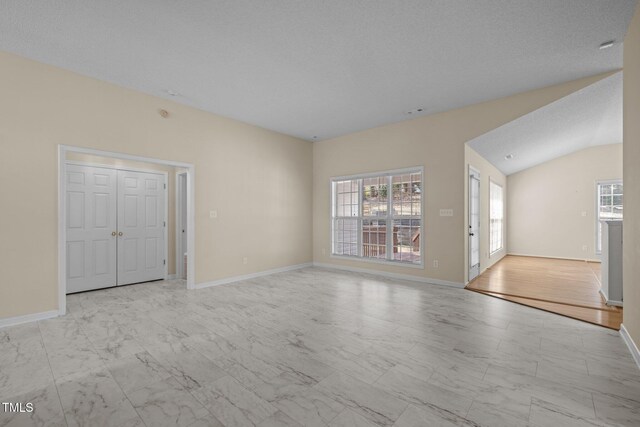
x: 116, y: 226
x: 102, y: 194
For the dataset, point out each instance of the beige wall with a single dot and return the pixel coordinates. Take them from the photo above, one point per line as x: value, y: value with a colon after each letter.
x: 436, y: 142
x: 171, y: 192
x: 631, y: 136
x: 488, y: 172
x: 546, y: 203
x: 259, y: 181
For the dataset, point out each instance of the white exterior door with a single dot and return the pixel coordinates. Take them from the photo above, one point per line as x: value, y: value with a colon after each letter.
x: 474, y: 224
x: 91, y: 227
x: 141, y: 226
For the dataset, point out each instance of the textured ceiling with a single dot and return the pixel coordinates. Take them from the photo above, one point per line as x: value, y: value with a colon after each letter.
x: 321, y: 68
x: 586, y: 118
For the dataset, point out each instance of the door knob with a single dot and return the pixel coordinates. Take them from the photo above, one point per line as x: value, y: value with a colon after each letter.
x: 120, y: 234
x: 113, y: 233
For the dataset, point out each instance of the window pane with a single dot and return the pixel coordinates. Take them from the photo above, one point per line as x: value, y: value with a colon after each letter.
x: 416, y: 194
x: 346, y: 198
x: 345, y: 237
x: 406, y: 240
x: 496, y: 216
x: 610, y: 208
x: 407, y: 194
x: 374, y: 196
x: 374, y: 238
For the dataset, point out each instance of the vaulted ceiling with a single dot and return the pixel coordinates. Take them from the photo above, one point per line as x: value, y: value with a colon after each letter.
x: 589, y: 117
x: 321, y: 69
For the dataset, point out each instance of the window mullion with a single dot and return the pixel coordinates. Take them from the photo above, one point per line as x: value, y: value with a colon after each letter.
x: 389, y: 218
x: 359, y: 221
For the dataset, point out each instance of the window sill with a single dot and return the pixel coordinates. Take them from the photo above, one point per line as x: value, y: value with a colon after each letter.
x: 378, y: 261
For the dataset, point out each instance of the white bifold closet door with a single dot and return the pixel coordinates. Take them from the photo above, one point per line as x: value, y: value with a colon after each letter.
x: 115, y: 227
x: 140, y: 227
x: 91, y: 228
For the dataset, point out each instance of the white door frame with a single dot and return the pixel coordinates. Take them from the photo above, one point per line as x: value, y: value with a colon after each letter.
x: 179, y: 249
x: 472, y: 172
x: 62, y: 214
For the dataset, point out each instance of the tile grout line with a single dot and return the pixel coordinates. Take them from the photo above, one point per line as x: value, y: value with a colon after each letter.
x: 55, y: 383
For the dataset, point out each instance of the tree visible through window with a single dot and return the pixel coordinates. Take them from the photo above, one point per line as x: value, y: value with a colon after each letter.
x: 378, y: 216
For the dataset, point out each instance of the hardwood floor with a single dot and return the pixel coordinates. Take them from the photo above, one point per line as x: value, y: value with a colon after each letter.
x: 566, y: 287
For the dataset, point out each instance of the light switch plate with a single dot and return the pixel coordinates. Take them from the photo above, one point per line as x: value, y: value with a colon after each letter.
x: 446, y: 212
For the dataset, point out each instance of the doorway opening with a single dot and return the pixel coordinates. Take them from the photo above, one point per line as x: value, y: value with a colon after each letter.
x: 119, y: 217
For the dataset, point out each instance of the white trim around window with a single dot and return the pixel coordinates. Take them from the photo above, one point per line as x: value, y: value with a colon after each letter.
x: 612, y: 205
x: 363, y: 220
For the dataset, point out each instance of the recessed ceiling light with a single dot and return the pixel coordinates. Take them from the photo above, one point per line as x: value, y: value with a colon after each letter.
x: 416, y: 111
x: 607, y: 44
x: 172, y: 92
x: 509, y: 156
x: 315, y: 137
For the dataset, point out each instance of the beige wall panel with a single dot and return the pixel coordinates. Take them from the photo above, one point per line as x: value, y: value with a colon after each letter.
x: 259, y: 181
x: 631, y: 136
x: 546, y: 203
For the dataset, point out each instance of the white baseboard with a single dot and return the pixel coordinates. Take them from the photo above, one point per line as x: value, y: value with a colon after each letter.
x: 633, y: 348
x: 603, y: 295
x: 610, y: 301
x: 171, y: 277
x: 407, y: 277
x: 251, y: 276
x: 11, y: 321
x: 555, y: 257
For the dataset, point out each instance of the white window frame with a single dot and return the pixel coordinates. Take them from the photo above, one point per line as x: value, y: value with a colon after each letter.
x: 389, y: 218
x: 598, y: 251
x: 494, y: 251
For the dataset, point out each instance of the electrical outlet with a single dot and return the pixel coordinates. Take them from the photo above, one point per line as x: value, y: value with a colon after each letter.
x: 446, y: 212
x: 245, y: 260
x: 213, y: 214
x: 584, y: 248
x: 435, y: 263
x: 584, y: 213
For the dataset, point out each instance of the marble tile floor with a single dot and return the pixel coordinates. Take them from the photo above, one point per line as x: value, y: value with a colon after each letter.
x: 313, y: 347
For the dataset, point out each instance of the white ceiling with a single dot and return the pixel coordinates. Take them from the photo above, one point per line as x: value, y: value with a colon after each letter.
x: 586, y: 118
x: 321, y: 68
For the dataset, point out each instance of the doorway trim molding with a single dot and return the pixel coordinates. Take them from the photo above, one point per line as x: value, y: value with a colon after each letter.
x: 62, y: 218
x: 472, y: 171
x: 179, y: 196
